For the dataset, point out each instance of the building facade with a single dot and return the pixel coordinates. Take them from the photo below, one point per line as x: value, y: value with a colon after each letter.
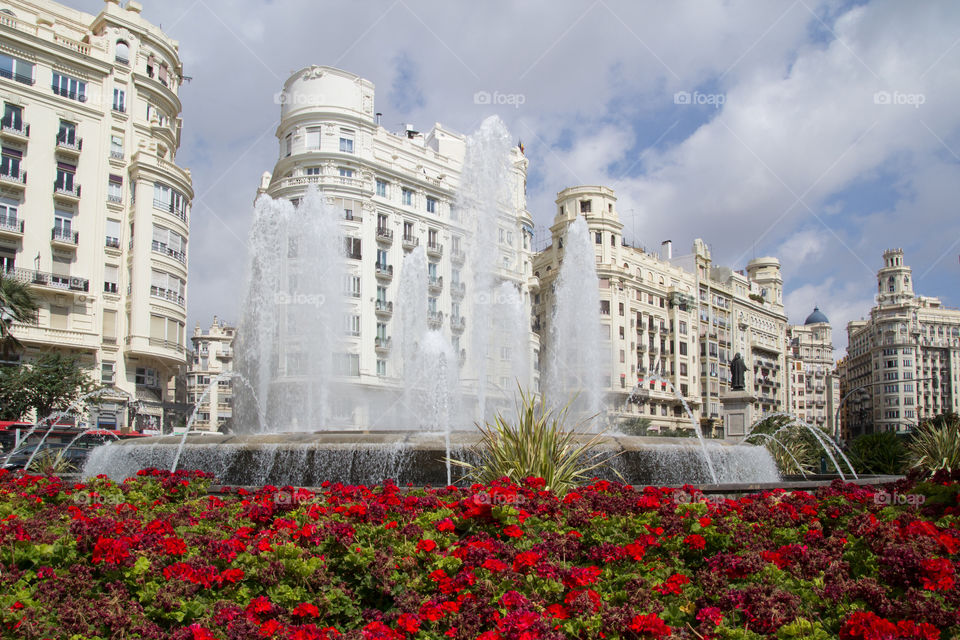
x: 397, y: 191
x: 212, y: 356
x: 904, y: 360
x: 94, y: 209
x: 673, y: 323
x: 814, y: 386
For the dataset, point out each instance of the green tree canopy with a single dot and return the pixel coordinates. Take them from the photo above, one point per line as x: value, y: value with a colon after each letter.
x: 50, y: 384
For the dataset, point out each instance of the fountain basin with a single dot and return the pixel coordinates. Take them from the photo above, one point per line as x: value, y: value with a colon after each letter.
x: 370, y: 457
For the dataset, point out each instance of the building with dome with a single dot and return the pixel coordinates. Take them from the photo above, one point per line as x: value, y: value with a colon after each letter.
x: 904, y: 359
x: 813, y: 384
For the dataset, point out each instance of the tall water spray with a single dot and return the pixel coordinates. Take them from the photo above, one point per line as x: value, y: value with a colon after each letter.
x: 576, y: 358
x: 292, y: 325
x: 498, y: 332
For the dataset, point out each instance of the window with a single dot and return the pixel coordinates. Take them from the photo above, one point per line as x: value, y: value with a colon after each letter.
x: 432, y: 304
x: 346, y: 364
x: 111, y: 275
x: 599, y: 237
x: 683, y: 348
x: 115, y: 188
x: 352, y: 324
x: 119, y: 100
x: 170, y: 200
x: 345, y: 173
x: 353, y: 248
x: 113, y: 234
x: 585, y: 206
x: 288, y: 145
x: 65, y: 175
x: 145, y: 377
x: 346, y: 140
x: 381, y: 294
x: 381, y: 368
x: 59, y: 317
x: 16, y: 69
x: 313, y: 138
x: 407, y: 197
x: 312, y: 171
x: 407, y: 230
x: 10, y: 163
x: 68, y: 87
x: 169, y: 243
x: 381, y: 258
x: 381, y: 222
x: 167, y: 286
x: 381, y: 332
x: 605, y: 307
x: 431, y: 205
x: 122, y: 52
x: 116, y: 147
x: 13, y: 117
x: 107, y: 373
x: 63, y: 225
x: 8, y: 214
x: 351, y: 286
x: 382, y: 188
x: 8, y: 260
x: 67, y: 135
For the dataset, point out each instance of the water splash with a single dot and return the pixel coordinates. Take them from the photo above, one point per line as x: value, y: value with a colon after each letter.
x: 825, y: 442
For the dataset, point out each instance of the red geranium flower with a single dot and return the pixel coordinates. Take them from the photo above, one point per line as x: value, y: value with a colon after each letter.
x: 427, y: 545
x: 306, y: 610
x: 408, y: 622
x: 650, y: 624
x: 445, y: 525
x: 513, y: 531
x: 695, y: 541
x: 557, y: 611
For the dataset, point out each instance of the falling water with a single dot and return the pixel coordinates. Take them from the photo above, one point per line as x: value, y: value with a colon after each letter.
x: 576, y: 358
x: 292, y: 328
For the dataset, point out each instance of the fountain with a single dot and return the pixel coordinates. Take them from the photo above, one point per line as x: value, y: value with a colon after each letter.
x: 292, y: 332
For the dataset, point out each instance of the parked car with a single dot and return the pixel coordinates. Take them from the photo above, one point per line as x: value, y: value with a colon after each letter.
x: 75, y: 457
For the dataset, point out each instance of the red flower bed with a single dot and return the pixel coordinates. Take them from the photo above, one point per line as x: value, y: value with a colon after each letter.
x: 158, y: 557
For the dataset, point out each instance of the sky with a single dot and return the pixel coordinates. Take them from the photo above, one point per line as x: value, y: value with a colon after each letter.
x: 821, y: 133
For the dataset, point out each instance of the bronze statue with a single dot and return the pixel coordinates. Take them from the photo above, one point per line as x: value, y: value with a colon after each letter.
x: 737, y: 370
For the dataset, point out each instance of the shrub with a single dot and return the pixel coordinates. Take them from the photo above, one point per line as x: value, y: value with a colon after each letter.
x: 879, y: 453
x: 936, y: 444
x: 537, y: 445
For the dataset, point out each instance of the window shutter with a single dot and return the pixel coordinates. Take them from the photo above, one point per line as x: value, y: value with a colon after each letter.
x: 109, y: 323
x: 58, y: 317
x: 157, y: 326
x: 158, y: 279
x: 61, y: 266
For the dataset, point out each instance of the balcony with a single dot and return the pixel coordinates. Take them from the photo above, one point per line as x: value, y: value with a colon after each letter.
x: 226, y: 353
x: 10, y: 227
x: 11, y: 130
x: 10, y: 75
x: 382, y: 345
x: 161, y: 248
x: 385, y: 272
x: 34, y: 334
x: 68, y: 192
x: 165, y: 344
x: 44, y: 279
x: 435, y: 319
x: 434, y: 249
x: 435, y: 284
x: 384, y: 235
x: 458, y: 289
x: 69, y: 146
x: 167, y: 294
x: 16, y: 178
x: 458, y: 256
x: 410, y: 242
x: 458, y: 323
x: 64, y: 238
x: 384, y: 309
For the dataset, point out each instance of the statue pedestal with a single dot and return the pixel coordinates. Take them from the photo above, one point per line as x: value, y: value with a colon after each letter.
x: 738, y: 413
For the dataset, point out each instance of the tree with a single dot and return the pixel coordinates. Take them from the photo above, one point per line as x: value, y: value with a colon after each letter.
x: 17, y: 304
x: 50, y: 384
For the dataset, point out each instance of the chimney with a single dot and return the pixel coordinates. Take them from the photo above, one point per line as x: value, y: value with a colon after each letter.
x: 666, y: 250
x: 379, y: 115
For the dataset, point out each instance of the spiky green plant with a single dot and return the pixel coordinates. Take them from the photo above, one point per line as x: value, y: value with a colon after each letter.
x: 879, y: 453
x: 50, y: 461
x: 538, y: 444
x: 935, y: 445
x: 794, y: 451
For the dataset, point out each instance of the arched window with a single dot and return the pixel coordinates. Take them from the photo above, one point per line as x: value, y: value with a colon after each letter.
x: 122, y: 52
x: 890, y: 284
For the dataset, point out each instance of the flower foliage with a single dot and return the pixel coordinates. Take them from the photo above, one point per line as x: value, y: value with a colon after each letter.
x: 161, y: 556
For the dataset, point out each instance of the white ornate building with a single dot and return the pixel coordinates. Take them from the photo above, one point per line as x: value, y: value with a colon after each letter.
x: 395, y: 191
x: 814, y: 386
x: 94, y: 210
x: 212, y: 356
x: 904, y: 360
x: 677, y: 318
